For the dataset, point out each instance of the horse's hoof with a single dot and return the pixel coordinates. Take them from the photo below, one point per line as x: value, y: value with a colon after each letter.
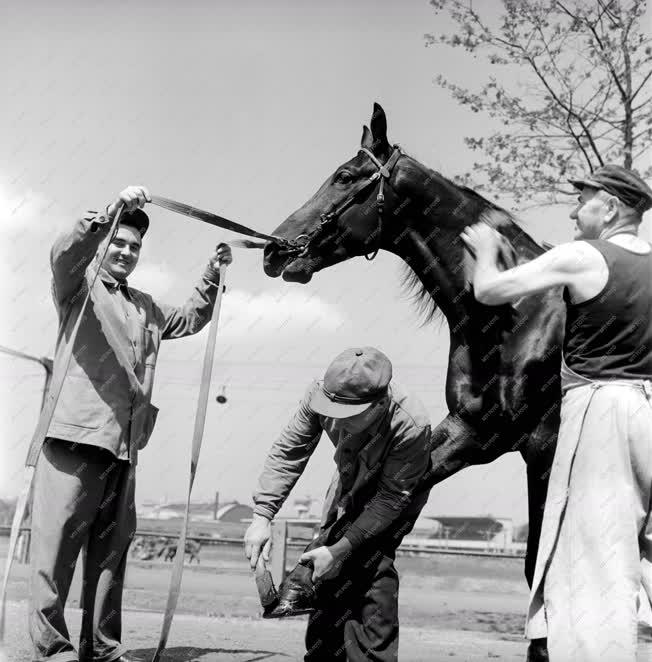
x: 296, y: 595
x: 285, y: 608
x: 291, y: 604
x: 538, y: 651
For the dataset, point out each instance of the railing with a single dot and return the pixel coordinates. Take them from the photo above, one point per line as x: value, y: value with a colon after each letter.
x: 281, y: 543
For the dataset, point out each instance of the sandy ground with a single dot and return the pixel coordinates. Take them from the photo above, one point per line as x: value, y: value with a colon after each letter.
x: 200, y: 638
x: 451, y: 608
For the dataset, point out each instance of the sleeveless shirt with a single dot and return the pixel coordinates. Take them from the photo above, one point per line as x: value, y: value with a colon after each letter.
x: 609, y: 336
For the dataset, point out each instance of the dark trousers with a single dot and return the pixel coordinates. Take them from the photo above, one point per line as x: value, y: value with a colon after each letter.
x: 357, y: 615
x: 83, y: 500
x: 357, y: 618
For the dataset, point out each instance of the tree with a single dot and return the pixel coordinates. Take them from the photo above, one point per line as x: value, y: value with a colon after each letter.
x: 577, y: 93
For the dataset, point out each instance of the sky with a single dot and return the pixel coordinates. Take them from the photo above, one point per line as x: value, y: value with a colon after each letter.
x: 242, y: 108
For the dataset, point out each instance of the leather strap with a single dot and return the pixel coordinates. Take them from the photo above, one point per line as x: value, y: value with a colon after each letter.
x: 213, y: 219
x: 200, y: 418
x: 383, y: 173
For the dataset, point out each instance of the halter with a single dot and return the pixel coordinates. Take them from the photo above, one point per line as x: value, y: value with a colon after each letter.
x: 327, y: 219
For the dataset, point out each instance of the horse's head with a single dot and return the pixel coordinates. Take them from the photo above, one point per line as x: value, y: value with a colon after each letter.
x: 343, y: 219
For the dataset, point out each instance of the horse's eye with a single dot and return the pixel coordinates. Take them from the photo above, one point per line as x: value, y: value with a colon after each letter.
x: 343, y: 177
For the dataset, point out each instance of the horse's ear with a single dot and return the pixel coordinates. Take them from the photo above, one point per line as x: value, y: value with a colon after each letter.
x: 367, y: 140
x: 379, y: 128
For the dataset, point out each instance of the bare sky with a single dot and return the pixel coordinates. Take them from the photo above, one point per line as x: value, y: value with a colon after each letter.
x: 243, y: 108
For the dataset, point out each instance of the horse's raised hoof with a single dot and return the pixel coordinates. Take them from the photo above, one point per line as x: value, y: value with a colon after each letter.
x: 538, y: 651
x: 296, y: 595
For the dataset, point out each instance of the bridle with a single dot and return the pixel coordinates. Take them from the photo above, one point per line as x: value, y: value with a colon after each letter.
x: 303, y: 243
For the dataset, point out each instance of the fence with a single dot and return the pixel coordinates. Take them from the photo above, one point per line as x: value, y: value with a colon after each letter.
x: 281, y: 543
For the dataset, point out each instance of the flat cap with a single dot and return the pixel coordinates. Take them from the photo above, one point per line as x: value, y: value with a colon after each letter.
x: 135, y: 219
x: 356, y: 378
x: 625, y: 184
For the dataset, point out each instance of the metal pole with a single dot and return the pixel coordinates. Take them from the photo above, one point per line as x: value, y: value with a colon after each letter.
x: 47, y: 365
x: 216, y: 504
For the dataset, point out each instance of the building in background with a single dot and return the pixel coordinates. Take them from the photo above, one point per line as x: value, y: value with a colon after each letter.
x: 232, y: 511
x: 465, y: 533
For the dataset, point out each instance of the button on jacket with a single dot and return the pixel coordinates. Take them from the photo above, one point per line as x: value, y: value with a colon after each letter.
x: 98, y: 404
x: 377, y: 471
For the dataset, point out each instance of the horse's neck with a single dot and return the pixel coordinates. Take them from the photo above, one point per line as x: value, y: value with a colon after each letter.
x: 427, y: 238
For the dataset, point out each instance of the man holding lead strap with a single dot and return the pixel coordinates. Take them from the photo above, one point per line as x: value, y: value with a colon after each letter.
x: 84, y: 486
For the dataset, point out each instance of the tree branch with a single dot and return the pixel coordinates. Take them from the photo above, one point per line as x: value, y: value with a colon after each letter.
x: 640, y: 87
x: 570, y: 111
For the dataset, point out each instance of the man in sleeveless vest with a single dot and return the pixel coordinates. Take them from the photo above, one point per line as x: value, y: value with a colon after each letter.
x: 595, y: 550
x: 84, y: 486
x: 381, y: 435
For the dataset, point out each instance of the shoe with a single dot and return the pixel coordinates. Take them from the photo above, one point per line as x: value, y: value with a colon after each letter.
x: 125, y: 657
x: 537, y: 651
x: 296, y: 595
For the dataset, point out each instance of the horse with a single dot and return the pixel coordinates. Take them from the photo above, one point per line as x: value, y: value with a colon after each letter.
x: 503, y: 389
x: 169, y: 550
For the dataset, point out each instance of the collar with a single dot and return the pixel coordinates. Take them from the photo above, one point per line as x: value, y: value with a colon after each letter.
x: 371, y: 434
x: 112, y: 283
x: 373, y: 429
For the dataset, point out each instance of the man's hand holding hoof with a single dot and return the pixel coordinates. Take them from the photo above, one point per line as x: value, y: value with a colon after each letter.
x: 327, y: 561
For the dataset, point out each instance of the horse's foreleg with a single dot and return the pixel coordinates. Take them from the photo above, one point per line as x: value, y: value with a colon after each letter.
x: 456, y: 444
x: 538, y: 454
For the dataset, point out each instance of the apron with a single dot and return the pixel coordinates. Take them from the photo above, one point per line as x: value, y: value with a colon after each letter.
x: 579, y: 422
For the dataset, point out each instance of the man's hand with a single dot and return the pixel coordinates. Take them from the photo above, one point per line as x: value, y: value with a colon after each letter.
x: 221, y: 256
x: 482, y: 241
x: 133, y: 197
x: 325, y: 564
x: 257, y: 539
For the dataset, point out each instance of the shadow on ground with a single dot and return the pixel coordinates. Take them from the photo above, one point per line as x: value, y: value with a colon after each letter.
x: 192, y: 654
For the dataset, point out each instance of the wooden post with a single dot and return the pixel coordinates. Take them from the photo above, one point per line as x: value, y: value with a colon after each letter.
x: 278, y: 550
x: 19, y: 554
x: 28, y: 545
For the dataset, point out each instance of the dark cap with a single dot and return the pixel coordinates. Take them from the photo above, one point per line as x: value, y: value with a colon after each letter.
x: 625, y: 184
x: 135, y: 219
x: 353, y: 382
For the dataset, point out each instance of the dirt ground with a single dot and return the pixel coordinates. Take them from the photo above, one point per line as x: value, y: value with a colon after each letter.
x: 205, y: 639
x: 451, y: 608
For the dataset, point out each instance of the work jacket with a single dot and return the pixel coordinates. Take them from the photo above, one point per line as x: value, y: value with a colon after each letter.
x: 378, y: 470
x: 103, y: 402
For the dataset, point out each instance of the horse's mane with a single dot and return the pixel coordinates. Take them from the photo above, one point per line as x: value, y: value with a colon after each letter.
x: 483, y: 210
x: 426, y: 307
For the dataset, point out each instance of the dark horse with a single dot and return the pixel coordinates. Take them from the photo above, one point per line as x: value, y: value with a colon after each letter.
x: 502, y: 385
